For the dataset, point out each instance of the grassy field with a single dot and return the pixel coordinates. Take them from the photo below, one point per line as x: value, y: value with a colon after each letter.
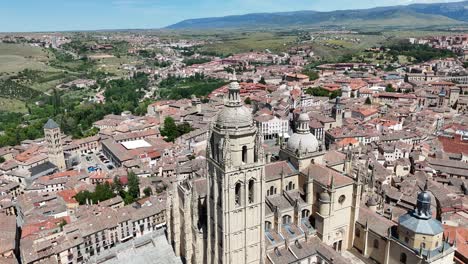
x: 12, y: 105
x: 247, y: 41
x: 17, y: 57
x: 113, y: 65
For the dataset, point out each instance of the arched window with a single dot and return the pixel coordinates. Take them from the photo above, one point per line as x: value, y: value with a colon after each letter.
x: 358, y: 232
x: 272, y: 189
x: 376, y: 243
x: 267, y: 225
x: 244, y: 154
x: 251, y: 191
x: 289, y: 187
x: 286, y: 219
x: 423, y: 245
x: 403, y: 258
x: 305, y: 213
x: 238, y: 193
x: 275, y: 191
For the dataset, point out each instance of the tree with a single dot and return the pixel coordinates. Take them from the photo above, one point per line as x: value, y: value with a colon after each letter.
x: 313, y: 75
x: 133, y: 185
x: 262, y: 81
x: 117, y: 186
x: 389, y: 88
x: 247, y: 100
x: 62, y: 224
x: 368, y: 101
x: 169, y: 129
x: 148, y: 191
x: 2, y: 159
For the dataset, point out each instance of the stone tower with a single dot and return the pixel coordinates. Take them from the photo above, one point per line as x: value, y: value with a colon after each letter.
x: 236, y: 179
x: 337, y: 112
x: 54, y: 144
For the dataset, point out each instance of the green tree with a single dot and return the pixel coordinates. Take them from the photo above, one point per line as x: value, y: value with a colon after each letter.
x: 313, y: 75
x: 262, y: 81
x: 117, y: 185
x: 389, y: 88
x: 102, y: 192
x: 183, y: 129
x: 133, y: 185
x: 2, y: 159
x: 368, y: 101
x: 247, y: 100
x: 148, y: 191
x: 169, y: 129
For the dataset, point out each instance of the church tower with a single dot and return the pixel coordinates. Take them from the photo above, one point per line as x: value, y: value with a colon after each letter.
x: 337, y: 112
x: 54, y: 144
x: 236, y: 179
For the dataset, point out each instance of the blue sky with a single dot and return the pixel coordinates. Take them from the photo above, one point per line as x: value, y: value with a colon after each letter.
x: 55, y: 15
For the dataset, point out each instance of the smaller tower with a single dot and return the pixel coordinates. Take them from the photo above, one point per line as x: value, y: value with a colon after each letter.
x: 442, y: 95
x: 337, y: 112
x: 54, y: 144
x: 196, y: 103
x: 346, y: 91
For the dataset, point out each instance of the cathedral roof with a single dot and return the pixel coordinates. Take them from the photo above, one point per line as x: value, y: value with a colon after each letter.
x: 274, y: 170
x: 420, y: 226
x: 324, y: 176
x: 374, y: 221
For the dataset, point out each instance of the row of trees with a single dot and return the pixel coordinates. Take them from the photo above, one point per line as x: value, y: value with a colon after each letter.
x: 107, y: 191
x: 420, y: 53
x: 319, y: 91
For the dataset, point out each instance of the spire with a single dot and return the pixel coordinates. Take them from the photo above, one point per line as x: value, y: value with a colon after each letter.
x: 425, y: 185
x: 332, y: 182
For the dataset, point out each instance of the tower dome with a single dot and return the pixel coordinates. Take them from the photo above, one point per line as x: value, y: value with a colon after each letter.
x: 234, y: 114
x: 423, y: 204
x: 303, y: 141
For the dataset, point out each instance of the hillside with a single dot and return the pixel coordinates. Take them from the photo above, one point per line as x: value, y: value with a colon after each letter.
x: 416, y: 15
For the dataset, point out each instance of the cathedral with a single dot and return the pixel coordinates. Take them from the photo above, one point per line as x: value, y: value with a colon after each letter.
x: 246, y: 208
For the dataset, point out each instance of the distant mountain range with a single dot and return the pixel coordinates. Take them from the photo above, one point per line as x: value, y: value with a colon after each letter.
x: 415, y: 15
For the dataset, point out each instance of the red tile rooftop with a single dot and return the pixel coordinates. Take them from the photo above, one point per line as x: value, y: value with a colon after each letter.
x: 68, y: 196
x: 454, y: 145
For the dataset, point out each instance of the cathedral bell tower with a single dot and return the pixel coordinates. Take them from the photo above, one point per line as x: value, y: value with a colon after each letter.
x: 236, y: 179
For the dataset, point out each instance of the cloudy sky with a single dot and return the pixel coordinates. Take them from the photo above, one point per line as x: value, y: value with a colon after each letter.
x: 52, y: 15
